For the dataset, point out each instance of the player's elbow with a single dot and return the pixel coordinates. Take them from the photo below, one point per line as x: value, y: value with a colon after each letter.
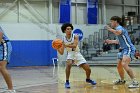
x: 117, y: 32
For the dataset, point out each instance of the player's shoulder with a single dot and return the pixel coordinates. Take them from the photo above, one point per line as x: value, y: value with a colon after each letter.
x: 119, y: 27
x: 1, y: 31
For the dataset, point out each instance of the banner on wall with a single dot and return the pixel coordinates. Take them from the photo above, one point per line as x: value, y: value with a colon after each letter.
x: 64, y: 11
x: 79, y: 33
x: 92, y: 12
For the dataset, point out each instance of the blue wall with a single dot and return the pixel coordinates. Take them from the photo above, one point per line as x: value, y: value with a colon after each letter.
x: 32, y: 53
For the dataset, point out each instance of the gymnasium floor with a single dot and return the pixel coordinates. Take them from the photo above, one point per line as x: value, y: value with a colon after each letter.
x: 51, y: 80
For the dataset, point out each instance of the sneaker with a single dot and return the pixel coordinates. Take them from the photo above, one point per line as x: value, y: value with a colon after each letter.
x: 119, y: 82
x: 91, y: 81
x: 134, y: 84
x: 10, y: 91
x: 67, y: 85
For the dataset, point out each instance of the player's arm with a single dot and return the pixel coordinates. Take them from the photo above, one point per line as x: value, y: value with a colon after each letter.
x: 61, y: 50
x: 73, y: 45
x: 1, y: 35
x: 116, y: 32
x: 112, y: 41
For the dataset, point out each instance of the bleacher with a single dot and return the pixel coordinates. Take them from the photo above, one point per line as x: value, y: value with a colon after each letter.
x: 94, y: 53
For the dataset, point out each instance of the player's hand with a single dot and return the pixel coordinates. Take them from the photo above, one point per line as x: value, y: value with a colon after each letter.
x: 108, y: 27
x: 60, y: 46
x: 108, y: 41
x: 64, y: 45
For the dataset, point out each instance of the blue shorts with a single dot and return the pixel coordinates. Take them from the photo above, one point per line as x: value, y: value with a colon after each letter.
x: 5, y: 51
x: 126, y: 53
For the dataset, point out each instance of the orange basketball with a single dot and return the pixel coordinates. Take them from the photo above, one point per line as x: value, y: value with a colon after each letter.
x: 57, y: 43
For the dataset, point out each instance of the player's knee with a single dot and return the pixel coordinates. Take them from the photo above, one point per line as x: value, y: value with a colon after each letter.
x: 88, y: 69
x: 68, y: 65
x: 123, y: 64
x: 1, y: 68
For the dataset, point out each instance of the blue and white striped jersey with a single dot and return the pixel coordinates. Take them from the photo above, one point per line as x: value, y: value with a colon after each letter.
x: 4, y: 36
x: 124, y: 39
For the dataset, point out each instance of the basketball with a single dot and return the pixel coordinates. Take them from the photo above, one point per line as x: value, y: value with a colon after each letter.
x: 57, y: 43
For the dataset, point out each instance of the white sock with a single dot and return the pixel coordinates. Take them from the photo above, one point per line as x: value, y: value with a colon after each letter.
x: 134, y: 80
x: 122, y: 80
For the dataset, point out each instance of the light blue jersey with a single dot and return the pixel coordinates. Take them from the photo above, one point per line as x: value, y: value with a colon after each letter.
x: 4, y: 36
x: 125, y: 43
x: 5, y: 48
x: 124, y: 39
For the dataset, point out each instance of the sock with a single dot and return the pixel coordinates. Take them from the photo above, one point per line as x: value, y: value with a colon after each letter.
x: 134, y: 79
x: 87, y: 79
x: 67, y: 81
x: 122, y: 80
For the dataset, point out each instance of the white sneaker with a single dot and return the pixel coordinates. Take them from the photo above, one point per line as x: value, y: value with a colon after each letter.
x: 134, y: 84
x: 10, y: 91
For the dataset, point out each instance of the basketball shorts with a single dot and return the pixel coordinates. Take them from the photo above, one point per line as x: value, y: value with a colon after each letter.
x: 127, y: 53
x: 5, y: 51
x: 77, y: 57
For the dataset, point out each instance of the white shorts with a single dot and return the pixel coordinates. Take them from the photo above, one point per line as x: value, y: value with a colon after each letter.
x: 77, y: 57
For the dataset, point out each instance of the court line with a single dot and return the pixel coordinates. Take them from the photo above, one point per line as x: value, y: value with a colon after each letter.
x: 28, y: 85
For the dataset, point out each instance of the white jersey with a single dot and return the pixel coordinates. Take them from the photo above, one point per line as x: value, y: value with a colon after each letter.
x: 73, y: 54
x: 70, y: 41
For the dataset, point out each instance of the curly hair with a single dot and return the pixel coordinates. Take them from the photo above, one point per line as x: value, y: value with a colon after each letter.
x: 64, y: 26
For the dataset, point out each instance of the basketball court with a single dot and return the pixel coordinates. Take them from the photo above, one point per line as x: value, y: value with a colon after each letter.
x: 32, y: 25
x: 51, y: 80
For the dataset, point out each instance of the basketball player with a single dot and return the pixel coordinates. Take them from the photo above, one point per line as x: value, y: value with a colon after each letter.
x: 70, y: 42
x: 5, y: 51
x: 127, y: 51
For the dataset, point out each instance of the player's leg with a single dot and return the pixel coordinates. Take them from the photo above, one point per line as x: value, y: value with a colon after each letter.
x: 5, y: 51
x: 67, y: 71
x: 68, y: 68
x: 6, y: 74
x: 87, y: 69
x: 120, y: 69
x: 125, y: 63
x: 83, y: 63
x: 121, y: 73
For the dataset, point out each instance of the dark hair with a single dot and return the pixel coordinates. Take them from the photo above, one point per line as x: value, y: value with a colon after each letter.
x: 118, y: 19
x: 65, y: 25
